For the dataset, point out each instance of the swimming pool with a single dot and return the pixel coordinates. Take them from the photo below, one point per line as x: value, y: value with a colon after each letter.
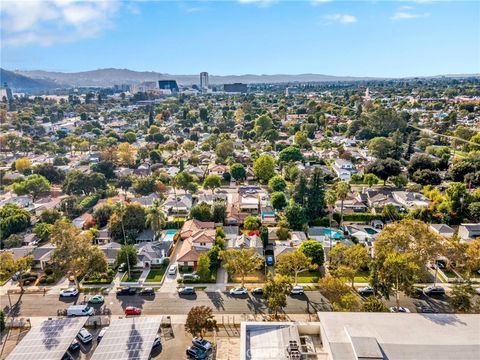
x: 169, y: 234
x: 334, y: 234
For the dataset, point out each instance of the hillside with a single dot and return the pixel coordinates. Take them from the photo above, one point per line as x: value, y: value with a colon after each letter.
x: 21, y: 83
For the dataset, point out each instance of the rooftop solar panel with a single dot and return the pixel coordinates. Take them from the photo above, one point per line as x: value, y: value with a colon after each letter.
x: 49, y: 340
x: 128, y: 339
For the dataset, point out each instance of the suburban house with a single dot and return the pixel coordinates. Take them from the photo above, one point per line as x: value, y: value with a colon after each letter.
x: 351, y: 205
x: 178, y: 206
x: 377, y: 199
x: 246, y: 242
x: 146, y: 200
x: 217, y: 169
x: 110, y: 250
x: 344, y: 169
x: 152, y: 253
x: 246, y: 202
x: 442, y: 229
x: 146, y: 235
x: 468, y: 232
x: 198, y: 237
x: 410, y: 200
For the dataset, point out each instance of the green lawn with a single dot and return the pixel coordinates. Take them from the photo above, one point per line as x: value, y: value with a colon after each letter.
x: 362, y: 276
x: 156, y: 274
x: 134, y: 276
x: 309, y: 276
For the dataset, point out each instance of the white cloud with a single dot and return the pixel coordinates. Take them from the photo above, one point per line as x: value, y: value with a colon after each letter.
x: 53, y: 21
x: 341, y: 18
x: 319, y: 2
x: 404, y: 15
x: 262, y: 3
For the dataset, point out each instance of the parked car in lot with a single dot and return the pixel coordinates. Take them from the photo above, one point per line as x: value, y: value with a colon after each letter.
x: 172, y: 270
x: 84, y: 336
x: 366, y: 291
x: 74, y: 346
x: 202, y: 343
x: 434, y: 291
x: 297, y: 290
x: 70, y: 292
x: 96, y: 299
x: 238, y: 291
x: 186, y: 291
x: 156, y: 342
x: 269, y: 260
x: 257, y: 291
x: 400, y: 309
x: 196, y: 353
x: 126, y: 291
x: 132, y: 310
x: 80, y: 310
x: 101, y: 334
x: 147, y: 292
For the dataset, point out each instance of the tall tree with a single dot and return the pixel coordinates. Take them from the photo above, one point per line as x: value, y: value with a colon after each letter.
x: 330, y: 200
x: 34, y: 185
x: 264, y: 168
x: 212, y: 182
x: 342, y: 189
x: 156, y: 217
x: 199, y: 320
x: 294, y: 263
x: 316, y: 192
x: 241, y: 262
x: 275, y: 292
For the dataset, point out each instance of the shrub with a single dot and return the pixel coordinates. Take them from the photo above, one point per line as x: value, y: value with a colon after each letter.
x: 50, y: 280
x: 48, y: 271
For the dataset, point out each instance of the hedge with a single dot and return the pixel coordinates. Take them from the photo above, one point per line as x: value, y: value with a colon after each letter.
x: 364, y: 217
x: 88, y: 202
x: 176, y: 224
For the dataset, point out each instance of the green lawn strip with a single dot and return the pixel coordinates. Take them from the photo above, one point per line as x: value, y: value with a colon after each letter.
x: 309, y: 276
x: 156, y: 274
x: 134, y: 276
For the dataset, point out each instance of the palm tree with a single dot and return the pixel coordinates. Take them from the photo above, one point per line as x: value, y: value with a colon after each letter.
x: 330, y: 199
x: 342, y: 189
x: 156, y: 217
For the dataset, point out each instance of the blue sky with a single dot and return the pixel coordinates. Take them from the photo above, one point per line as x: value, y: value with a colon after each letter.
x: 357, y: 38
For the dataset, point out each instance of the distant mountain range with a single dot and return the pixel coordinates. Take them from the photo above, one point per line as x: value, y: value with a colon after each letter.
x: 39, y: 79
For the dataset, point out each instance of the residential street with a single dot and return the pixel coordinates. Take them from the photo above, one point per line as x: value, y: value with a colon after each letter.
x: 167, y: 303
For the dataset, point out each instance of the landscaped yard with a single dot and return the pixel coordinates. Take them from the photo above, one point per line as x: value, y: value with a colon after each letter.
x: 256, y: 277
x: 362, y: 277
x: 156, y: 274
x: 134, y: 276
x: 309, y: 276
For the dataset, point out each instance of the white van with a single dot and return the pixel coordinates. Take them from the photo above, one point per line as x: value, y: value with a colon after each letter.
x: 172, y: 270
x: 79, y: 310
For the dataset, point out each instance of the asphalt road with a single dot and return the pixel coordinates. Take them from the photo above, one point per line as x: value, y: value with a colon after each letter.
x: 165, y: 303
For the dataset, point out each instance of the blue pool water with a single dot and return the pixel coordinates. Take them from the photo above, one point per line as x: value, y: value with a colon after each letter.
x: 169, y: 234
x: 333, y: 233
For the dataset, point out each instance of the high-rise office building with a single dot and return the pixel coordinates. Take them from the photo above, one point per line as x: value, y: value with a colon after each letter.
x: 204, y: 80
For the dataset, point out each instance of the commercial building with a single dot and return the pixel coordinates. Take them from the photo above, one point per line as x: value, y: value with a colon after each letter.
x: 359, y: 336
x: 235, y: 87
x: 168, y: 85
x: 203, y: 80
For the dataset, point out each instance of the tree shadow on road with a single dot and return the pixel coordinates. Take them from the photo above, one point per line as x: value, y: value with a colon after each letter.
x: 217, y: 299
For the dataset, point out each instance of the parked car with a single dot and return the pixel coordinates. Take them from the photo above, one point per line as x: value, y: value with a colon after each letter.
x: 172, y: 270
x: 80, y: 310
x: 434, y: 291
x: 70, y: 292
x: 122, y: 267
x: 147, y: 291
x: 74, y: 346
x: 196, y: 353
x: 366, y: 291
x: 202, y: 343
x: 257, y: 291
x: 425, y: 309
x: 190, y: 277
x: 126, y: 291
x: 16, y: 276
x: 67, y: 356
x: 269, y: 260
x: 84, y: 336
x: 400, y: 309
x: 101, y: 334
x: 238, y: 291
x: 186, y: 291
x: 297, y: 290
x: 132, y: 310
x: 156, y: 342
x: 96, y: 299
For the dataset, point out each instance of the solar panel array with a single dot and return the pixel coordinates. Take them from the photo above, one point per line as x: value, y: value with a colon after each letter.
x: 128, y: 339
x: 49, y: 340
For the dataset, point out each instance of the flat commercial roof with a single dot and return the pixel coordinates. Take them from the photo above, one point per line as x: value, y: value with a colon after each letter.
x: 49, y: 340
x: 128, y: 339
x: 401, y: 336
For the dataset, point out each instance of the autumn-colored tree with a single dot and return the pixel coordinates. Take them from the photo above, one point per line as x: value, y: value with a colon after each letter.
x: 126, y: 154
x: 241, y: 262
x: 22, y: 164
x: 199, y: 320
x: 275, y: 292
